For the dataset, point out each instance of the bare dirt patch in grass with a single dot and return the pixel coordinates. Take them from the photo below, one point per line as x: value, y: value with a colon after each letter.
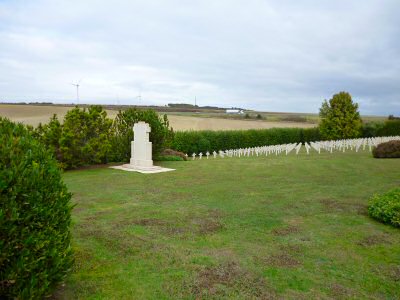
x: 287, y: 257
x: 193, y: 224
x: 375, y: 239
x: 210, y: 224
x: 181, y: 227
x: 391, y: 272
x: 283, y: 231
x: 221, y: 254
x: 115, y: 239
x: 294, y: 249
x: 149, y: 222
x: 282, y: 260
x: 339, y: 291
x: 229, y: 278
x: 95, y: 216
x: 394, y: 273
x: 331, y: 205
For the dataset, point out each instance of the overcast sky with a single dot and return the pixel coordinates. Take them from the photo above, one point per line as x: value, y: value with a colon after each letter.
x: 266, y: 55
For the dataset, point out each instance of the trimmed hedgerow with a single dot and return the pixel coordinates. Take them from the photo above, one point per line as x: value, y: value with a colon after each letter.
x: 386, y: 207
x: 390, y: 128
x: 202, y: 141
x: 35, y: 216
x: 389, y: 149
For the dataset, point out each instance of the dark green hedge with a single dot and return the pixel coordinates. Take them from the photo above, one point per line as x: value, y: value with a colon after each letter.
x: 390, y: 128
x: 387, y: 128
x: 35, y: 215
x: 202, y: 141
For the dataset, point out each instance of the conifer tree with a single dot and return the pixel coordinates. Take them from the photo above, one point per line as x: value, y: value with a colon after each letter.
x: 340, y: 118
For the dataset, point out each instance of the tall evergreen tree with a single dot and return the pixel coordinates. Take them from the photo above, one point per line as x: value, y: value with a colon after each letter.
x: 340, y: 118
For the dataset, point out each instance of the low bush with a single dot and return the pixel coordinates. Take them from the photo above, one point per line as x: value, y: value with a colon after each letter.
x: 386, y: 207
x: 35, y: 215
x: 169, y: 158
x: 84, y: 137
x: 203, y: 141
x: 389, y: 149
x: 170, y: 152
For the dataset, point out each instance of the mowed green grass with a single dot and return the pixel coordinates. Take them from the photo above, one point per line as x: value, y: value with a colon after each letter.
x: 292, y: 227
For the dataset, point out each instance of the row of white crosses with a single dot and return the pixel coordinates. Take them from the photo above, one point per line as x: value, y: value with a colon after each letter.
x: 330, y: 146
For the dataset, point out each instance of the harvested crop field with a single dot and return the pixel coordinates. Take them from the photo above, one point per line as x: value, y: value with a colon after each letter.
x: 35, y: 114
x: 198, y: 123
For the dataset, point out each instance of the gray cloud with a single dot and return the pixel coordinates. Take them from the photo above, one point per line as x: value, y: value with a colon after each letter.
x: 267, y: 55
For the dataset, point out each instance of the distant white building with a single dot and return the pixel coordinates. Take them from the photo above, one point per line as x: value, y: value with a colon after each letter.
x: 235, y: 111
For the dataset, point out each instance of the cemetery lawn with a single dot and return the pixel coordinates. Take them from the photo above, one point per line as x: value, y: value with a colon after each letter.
x: 242, y: 228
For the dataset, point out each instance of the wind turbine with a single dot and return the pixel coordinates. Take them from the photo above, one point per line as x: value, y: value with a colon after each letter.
x: 139, y: 97
x: 77, y: 90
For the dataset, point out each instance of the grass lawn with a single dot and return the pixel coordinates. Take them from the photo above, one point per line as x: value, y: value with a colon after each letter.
x: 271, y: 227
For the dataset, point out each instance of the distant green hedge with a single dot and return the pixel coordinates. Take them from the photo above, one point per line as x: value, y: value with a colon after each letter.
x: 202, y: 141
x: 390, y: 128
x: 387, y: 128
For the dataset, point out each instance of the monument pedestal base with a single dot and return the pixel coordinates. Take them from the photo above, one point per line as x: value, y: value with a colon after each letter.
x: 140, y: 169
x: 145, y: 163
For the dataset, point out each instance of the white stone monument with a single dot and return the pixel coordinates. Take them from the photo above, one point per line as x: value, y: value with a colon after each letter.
x: 141, y: 152
x: 141, y: 147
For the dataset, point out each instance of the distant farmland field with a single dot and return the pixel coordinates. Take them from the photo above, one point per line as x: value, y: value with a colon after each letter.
x: 35, y: 114
x: 198, y: 123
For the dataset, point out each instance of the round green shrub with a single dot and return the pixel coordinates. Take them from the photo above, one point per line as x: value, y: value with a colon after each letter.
x: 35, y: 215
x: 173, y: 153
x: 386, y: 207
x: 389, y: 149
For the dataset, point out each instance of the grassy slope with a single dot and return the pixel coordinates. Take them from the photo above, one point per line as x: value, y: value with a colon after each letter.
x: 293, y: 227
